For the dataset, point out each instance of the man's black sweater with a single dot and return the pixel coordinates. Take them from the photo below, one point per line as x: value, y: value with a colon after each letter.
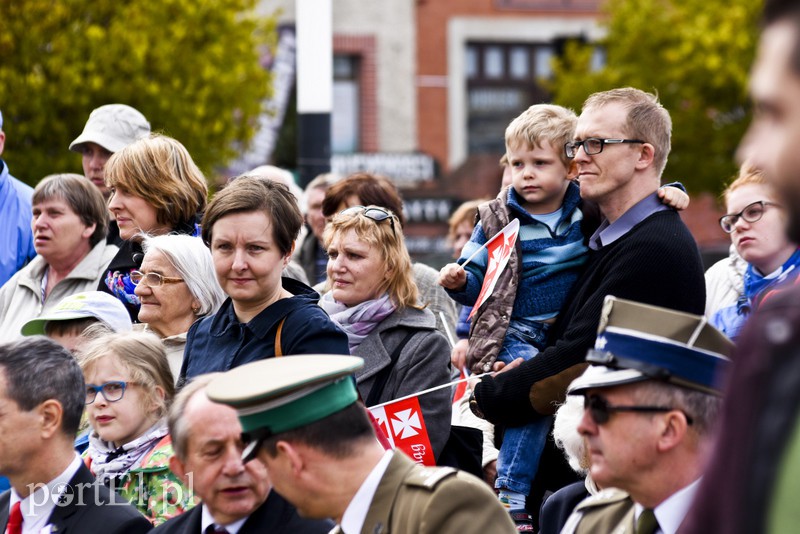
x: 657, y: 262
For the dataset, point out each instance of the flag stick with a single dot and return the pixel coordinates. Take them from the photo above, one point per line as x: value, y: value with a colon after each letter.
x: 429, y: 390
x: 449, y: 334
x: 472, y: 256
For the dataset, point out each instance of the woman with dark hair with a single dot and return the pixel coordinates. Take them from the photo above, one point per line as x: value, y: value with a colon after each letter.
x: 69, y: 228
x: 156, y: 189
x: 251, y: 226
x: 373, y: 297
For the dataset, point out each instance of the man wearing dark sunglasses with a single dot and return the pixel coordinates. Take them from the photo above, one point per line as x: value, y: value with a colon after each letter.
x: 650, y: 399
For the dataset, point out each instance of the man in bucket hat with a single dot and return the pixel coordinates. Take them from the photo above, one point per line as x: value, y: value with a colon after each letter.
x: 650, y: 399
x: 110, y: 128
x: 301, y: 418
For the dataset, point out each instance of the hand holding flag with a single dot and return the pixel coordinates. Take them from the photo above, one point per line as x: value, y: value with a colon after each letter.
x: 499, y: 249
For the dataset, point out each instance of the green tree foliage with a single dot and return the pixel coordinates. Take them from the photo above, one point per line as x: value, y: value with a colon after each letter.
x: 696, y: 55
x: 193, y: 67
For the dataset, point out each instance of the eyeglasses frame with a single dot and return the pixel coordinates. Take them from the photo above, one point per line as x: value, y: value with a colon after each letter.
x: 740, y: 215
x: 99, y: 390
x: 162, y: 279
x: 574, y: 145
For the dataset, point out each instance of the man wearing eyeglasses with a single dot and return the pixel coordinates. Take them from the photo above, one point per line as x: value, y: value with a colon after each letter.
x: 641, y: 251
x: 650, y: 400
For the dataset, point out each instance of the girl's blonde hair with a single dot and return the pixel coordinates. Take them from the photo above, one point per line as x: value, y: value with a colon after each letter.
x: 142, y: 355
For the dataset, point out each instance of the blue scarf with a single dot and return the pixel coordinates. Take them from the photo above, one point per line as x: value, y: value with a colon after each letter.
x: 755, y: 283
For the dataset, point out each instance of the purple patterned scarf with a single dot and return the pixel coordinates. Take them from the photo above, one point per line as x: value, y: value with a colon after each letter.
x: 359, y: 320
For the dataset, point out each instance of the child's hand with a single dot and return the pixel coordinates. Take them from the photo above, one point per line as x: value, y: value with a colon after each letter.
x: 673, y: 197
x: 458, y: 356
x: 452, y: 276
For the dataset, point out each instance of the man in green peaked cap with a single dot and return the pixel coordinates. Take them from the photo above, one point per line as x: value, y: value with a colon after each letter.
x: 301, y: 417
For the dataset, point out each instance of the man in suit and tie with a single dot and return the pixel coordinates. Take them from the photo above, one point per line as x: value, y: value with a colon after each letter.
x: 236, y: 497
x: 303, y: 421
x: 42, y: 396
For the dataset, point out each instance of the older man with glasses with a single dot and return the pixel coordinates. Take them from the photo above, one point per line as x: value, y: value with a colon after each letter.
x: 650, y: 400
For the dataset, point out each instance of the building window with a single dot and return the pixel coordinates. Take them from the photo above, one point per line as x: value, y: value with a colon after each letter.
x: 502, y: 80
x: 345, y: 116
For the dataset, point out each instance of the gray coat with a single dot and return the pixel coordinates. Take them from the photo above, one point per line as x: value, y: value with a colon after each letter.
x: 423, y: 363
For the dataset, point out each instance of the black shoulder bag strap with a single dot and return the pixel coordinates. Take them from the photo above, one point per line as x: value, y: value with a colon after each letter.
x: 383, y: 375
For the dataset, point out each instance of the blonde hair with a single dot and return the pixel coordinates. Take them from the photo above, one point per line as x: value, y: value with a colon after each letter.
x: 387, y: 238
x: 747, y: 175
x: 540, y: 123
x: 466, y: 212
x: 160, y: 170
x: 142, y: 355
x: 647, y: 119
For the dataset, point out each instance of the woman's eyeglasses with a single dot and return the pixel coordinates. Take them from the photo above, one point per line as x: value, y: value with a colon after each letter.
x: 751, y: 213
x: 152, y: 279
x: 112, y: 391
x: 371, y: 212
x: 600, y: 410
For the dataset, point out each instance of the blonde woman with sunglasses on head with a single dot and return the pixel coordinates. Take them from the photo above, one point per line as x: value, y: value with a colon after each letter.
x: 373, y: 298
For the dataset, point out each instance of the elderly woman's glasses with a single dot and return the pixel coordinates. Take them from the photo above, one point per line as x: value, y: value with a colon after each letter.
x: 751, y: 213
x: 112, y: 391
x: 376, y: 214
x: 152, y: 279
x: 601, y: 410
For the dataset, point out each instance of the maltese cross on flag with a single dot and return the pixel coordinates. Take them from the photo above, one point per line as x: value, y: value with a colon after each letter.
x: 402, y: 423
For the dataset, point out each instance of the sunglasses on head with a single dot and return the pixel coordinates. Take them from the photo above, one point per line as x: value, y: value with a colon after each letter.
x: 371, y: 212
x: 600, y: 410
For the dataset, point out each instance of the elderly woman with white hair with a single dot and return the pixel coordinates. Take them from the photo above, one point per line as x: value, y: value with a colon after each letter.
x: 558, y: 506
x: 176, y: 285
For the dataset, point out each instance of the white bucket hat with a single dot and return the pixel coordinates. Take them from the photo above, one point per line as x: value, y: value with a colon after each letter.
x: 113, y: 127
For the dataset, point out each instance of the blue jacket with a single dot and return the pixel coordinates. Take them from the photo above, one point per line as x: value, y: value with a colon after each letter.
x: 16, y: 236
x: 220, y: 342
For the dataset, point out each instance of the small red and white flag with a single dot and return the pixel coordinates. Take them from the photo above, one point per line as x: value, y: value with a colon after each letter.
x: 402, y: 423
x: 499, y: 249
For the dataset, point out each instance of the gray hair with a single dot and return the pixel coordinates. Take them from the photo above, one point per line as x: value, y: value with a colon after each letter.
x: 193, y: 261
x: 38, y: 369
x: 81, y: 196
x: 566, y: 435
x: 281, y: 176
x: 703, y: 408
x: 176, y: 419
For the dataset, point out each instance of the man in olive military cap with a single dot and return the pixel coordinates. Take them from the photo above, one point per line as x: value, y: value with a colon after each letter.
x: 301, y: 418
x: 650, y: 399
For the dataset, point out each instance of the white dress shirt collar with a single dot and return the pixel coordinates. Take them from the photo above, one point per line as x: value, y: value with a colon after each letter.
x: 356, y: 512
x: 37, y: 507
x: 671, y: 512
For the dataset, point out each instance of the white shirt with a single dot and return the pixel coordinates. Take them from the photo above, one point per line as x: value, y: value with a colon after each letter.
x: 671, y: 512
x: 356, y: 512
x: 37, y: 507
x: 208, y: 519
